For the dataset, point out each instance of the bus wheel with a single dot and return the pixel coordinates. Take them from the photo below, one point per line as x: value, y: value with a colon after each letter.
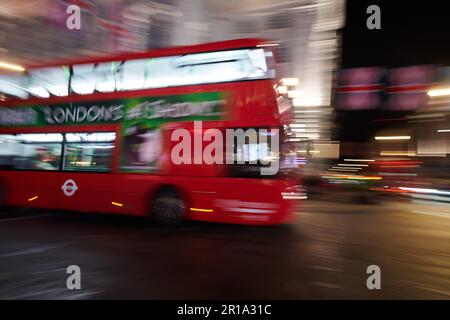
x: 168, y: 208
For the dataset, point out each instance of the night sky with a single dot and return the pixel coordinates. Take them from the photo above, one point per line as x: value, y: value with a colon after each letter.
x: 412, y: 33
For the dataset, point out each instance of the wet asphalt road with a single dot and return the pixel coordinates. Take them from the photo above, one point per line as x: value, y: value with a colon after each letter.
x: 324, y: 255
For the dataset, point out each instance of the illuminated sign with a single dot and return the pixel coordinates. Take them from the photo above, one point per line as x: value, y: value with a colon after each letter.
x: 206, y: 104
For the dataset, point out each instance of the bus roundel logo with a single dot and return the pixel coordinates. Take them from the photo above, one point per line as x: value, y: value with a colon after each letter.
x: 69, y: 188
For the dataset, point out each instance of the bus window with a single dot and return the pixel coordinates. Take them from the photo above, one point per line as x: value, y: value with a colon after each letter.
x: 30, y: 151
x: 14, y: 86
x: 221, y: 66
x: 136, y: 74
x: 94, y: 157
x: 192, y: 69
x: 252, y: 153
x: 49, y: 81
x: 87, y: 78
x: 210, y: 67
x: 88, y: 151
x: 132, y: 74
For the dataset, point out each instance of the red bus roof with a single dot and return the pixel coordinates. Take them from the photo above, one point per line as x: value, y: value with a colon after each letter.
x: 179, y: 50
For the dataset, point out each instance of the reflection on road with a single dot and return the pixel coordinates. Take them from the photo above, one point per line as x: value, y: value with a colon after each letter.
x: 325, y: 254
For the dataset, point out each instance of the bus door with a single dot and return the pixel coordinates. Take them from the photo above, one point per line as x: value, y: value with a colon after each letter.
x: 29, y: 164
x: 86, y: 182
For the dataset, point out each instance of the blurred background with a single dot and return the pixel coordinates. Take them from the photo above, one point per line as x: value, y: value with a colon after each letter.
x: 308, y: 33
x: 371, y: 119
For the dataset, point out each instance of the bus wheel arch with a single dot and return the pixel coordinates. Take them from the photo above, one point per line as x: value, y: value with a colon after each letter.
x: 169, y: 205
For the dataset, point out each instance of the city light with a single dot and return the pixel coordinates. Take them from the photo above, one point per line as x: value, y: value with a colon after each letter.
x: 425, y: 191
x: 359, y: 160
x: 398, y: 153
x: 443, y: 131
x: 289, y: 81
x: 282, y: 90
x: 309, y: 151
x: 393, y: 138
x: 439, y: 92
x: 307, y: 102
x: 267, y: 45
x: 11, y: 66
x: 294, y: 196
x: 295, y: 94
x: 353, y: 165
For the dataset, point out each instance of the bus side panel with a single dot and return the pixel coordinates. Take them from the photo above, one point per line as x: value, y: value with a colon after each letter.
x: 108, y: 193
x: 37, y: 189
x: 243, y: 201
x: 237, y: 200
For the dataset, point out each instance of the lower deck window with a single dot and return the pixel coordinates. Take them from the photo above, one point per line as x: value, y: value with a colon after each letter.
x: 73, y: 151
x: 257, y: 150
x: 31, y: 151
x: 88, y: 157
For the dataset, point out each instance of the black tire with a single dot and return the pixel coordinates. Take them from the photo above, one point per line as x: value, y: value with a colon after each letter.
x: 168, y: 208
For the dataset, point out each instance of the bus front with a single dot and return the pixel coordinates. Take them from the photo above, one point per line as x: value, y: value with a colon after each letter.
x: 238, y: 158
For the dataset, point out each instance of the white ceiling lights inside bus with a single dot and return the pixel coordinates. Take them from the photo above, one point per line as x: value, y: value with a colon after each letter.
x: 39, y: 92
x: 11, y: 86
x: 41, y: 137
x: 54, y: 80
x: 91, y: 137
x: 87, y: 78
x: 160, y: 72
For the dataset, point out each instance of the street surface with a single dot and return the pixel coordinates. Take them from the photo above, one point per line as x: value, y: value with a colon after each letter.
x: 325, y: 254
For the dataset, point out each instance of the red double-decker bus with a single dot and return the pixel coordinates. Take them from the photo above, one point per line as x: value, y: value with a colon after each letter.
x: 98, y: 135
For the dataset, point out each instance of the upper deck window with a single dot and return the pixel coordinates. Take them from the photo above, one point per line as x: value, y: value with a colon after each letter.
x: 137, y: 74
x: 42, y: 83
x: 90, y: 78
